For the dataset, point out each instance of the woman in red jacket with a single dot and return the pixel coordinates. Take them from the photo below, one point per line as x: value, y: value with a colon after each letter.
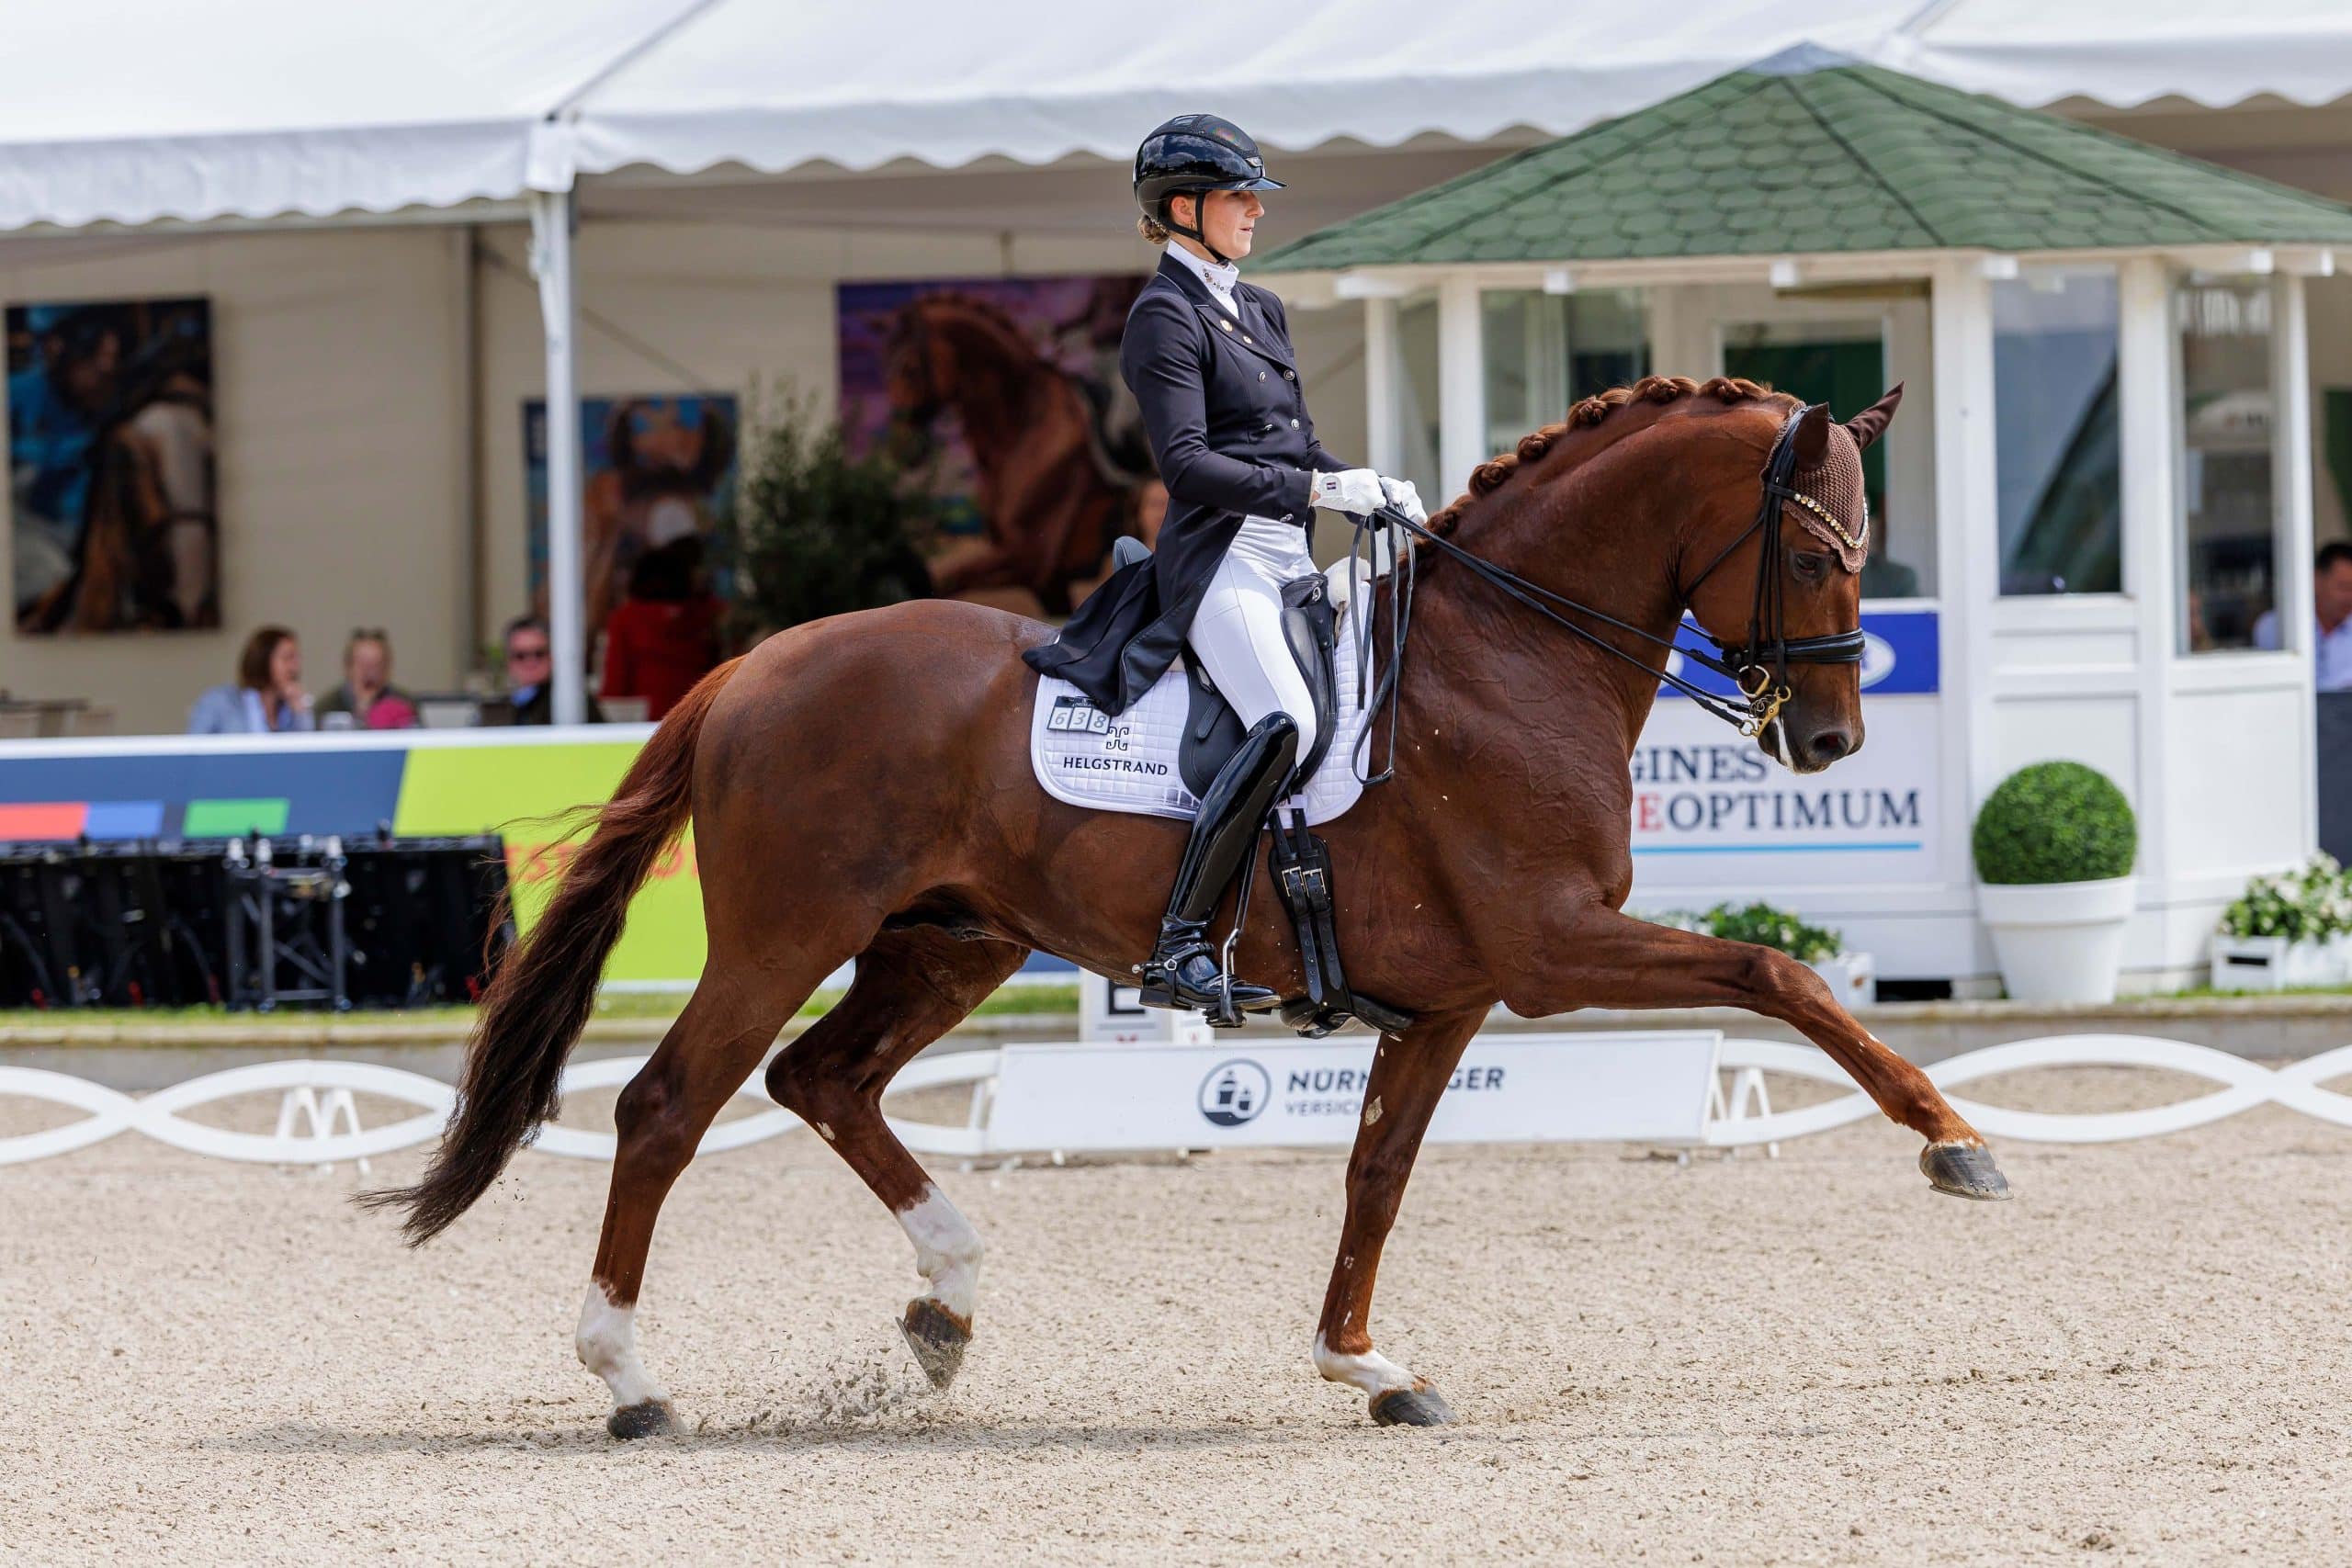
x: 664, y: 636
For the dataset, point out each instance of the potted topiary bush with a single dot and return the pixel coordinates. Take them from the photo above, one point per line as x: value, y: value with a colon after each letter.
x: 2054, y: 847
x: 2289, y: 928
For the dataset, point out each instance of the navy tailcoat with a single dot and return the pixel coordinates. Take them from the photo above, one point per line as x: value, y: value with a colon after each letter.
x: 1227, y: 417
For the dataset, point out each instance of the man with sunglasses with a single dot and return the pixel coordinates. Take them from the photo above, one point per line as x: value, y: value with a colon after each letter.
x: 531, y: 678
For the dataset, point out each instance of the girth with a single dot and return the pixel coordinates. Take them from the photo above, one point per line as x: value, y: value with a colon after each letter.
x: 1302, y: 869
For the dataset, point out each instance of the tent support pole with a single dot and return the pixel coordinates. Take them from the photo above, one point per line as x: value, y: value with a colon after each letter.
x: 553, y: 219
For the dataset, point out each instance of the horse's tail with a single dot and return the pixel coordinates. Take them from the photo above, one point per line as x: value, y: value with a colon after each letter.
x: 539, y: 999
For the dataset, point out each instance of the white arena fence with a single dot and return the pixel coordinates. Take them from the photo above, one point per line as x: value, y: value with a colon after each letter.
x: 1683, y: 1089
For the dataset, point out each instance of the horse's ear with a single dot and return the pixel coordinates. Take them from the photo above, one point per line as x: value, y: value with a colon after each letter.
x: 1870, y: 424
x: 1813, y: 435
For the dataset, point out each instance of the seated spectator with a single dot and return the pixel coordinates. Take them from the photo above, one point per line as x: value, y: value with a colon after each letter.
x: 2332, y: 636
x: 267, y: 697
x: 664, y: 636
x: 531, y: 678
x: 367, y: 695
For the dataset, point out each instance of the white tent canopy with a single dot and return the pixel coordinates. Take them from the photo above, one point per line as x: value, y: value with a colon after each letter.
x: 2039, y: 51
x: 129, y: 111
x: 771, y: 88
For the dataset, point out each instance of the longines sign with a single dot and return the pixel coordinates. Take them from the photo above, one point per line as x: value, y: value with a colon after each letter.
x: 1711, y: 809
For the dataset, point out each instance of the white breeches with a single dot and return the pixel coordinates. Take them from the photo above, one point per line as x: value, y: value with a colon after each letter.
x: 1238, y: 633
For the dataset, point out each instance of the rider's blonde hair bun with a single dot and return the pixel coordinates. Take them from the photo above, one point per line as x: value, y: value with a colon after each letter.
x: 1151, y: 229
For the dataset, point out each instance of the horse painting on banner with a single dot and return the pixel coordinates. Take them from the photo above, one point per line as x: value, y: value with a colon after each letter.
x: 1050, y: 490
x: 1491, y: 868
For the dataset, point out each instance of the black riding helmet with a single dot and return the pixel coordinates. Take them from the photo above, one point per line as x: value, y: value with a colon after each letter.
x: 1192, y: 154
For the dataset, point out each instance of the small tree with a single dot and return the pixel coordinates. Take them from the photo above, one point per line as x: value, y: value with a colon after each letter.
x: 816, y: 532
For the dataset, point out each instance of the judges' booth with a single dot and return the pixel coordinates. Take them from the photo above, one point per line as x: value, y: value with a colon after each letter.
x: 2091, y: 521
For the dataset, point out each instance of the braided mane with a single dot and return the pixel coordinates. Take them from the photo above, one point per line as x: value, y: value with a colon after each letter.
x: 1489, y: 474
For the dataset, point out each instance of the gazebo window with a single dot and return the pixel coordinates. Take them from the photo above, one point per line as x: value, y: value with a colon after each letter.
x: 1843, y: 362
x: 2229, y: 518
x: 1417, y: 395
x: 1545, y: 351
x: 2057, y: 438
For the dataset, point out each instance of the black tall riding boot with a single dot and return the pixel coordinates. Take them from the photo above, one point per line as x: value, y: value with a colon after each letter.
x: 1182, y: 970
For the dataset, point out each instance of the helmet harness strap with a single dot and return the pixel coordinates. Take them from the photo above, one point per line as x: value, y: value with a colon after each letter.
x: 1200, y: 213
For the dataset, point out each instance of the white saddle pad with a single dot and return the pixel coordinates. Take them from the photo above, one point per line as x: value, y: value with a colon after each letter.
x: 1085, y: 757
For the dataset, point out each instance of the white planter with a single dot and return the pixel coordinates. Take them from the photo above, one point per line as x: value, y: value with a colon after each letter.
x: 2274, y: 964
x: 2058, y: 942
x: 1852, y: 978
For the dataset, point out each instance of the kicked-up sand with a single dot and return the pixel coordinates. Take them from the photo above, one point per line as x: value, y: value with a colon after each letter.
x: 1808, y: 1359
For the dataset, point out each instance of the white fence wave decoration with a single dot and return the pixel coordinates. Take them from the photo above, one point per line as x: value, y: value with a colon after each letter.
x: 317, y: 1122
x: 319, y: 1092
x: 2245, y: 1086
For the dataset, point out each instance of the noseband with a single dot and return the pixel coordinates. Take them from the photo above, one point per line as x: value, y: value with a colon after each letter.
x: 1759, y: 665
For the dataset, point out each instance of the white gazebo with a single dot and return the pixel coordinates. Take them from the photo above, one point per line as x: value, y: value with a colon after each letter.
x: 2095, y: 509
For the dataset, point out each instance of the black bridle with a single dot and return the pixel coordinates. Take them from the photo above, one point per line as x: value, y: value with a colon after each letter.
x: 1757, y: 666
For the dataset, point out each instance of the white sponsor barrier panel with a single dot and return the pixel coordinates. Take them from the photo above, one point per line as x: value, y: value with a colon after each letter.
x: 1646, y: 1088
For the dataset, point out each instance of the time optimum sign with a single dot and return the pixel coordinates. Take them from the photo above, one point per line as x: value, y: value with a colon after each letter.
x: 1710, y: 809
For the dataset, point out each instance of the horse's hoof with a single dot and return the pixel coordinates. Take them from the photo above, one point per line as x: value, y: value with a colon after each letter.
x: 937, y: 1337
x: 1964, y: 1171
x: 647, y: 1419
x: 1422, y: 1407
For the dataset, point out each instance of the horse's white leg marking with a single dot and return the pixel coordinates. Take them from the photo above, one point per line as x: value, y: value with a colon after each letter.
x: 607, y: 1342
x: 1371, y: 1372
x: 947, y: 1251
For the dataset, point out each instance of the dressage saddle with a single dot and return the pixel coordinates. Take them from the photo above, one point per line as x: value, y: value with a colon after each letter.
x: 1212, y: 731
x: 1300, y: 862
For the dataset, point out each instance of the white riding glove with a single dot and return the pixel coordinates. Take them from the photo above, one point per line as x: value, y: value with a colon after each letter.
x: 1404, y: 498
x: 1355, y: 491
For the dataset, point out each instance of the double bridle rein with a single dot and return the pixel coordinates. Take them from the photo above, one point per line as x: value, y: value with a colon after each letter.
x: 1759, y: 665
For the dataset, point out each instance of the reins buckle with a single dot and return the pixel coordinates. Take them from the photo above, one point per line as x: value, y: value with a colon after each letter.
x: 1764, y: 700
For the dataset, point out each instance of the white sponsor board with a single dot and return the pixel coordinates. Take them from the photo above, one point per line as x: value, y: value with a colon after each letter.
x: 1650, y: 1087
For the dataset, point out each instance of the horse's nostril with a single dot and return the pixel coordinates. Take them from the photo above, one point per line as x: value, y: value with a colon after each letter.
x: 1829, y: 745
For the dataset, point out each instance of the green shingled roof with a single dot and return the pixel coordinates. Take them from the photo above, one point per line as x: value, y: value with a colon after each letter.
x: 1810, y: 152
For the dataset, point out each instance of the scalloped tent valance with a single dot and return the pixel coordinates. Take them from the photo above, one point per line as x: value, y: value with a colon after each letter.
x: 128, y: 113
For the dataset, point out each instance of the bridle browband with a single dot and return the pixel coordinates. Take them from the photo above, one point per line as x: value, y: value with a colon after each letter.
x: 1758, y: 666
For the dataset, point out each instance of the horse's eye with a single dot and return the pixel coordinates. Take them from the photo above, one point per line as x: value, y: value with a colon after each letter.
x: 1809, y: 564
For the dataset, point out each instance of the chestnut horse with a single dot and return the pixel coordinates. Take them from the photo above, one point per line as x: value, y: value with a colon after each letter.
x: 861, y: 788
x: 1049, y: 512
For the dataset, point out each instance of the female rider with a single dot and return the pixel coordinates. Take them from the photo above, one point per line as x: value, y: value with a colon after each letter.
x: 1208, y: 357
